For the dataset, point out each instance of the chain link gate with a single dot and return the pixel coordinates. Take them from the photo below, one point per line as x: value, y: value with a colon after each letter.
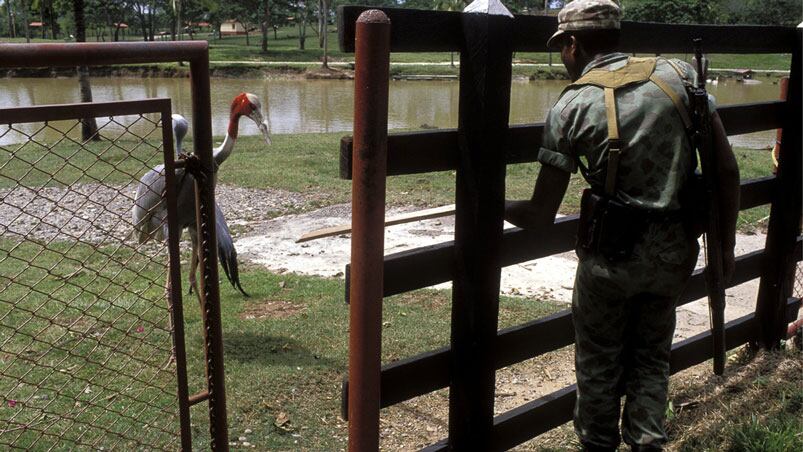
x: 84, y: 324
x: 91, y: 353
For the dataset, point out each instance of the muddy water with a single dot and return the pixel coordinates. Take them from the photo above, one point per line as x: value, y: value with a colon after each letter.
x: 306, y: 106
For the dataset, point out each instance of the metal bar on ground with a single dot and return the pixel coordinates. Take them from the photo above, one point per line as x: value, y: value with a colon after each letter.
x: 426, y: 214
x: 784, y: 225
x: 372, y: 69
x: 484, y: 109
x: 198, y: 398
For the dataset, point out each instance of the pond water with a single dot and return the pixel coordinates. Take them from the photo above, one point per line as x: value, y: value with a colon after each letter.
x: 312, y: 106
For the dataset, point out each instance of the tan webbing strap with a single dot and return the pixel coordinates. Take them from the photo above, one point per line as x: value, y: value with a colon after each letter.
x: 614, y: 145
x: 684, y: 115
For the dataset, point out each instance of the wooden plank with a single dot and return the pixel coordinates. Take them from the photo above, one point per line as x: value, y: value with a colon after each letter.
x: 419, y: 215
x: 484, y: 111
x: 412, y: 30
x: 532, y: 33
x: 428, y: 151
x: 420, y: 374
x: 439, y: 31
x: 430, y: 265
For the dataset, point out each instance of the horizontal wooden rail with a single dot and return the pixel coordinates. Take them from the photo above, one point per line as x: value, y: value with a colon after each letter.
x: 427, y: 372
x: 541, y: 415
x: 440, y: 31
x: 428, y: 151
x: 430, y: 265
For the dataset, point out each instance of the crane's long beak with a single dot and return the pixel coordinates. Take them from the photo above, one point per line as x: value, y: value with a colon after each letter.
x: 264, y: 127
x: 263, y: 124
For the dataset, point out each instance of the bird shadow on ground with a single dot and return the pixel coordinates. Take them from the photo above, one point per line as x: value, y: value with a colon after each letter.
x: 265, y: 349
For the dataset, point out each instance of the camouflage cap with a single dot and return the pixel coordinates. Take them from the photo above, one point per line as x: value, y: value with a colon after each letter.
x: 587, y: 15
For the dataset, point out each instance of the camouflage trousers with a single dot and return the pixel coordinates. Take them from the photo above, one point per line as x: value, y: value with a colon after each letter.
x: 624, y: 319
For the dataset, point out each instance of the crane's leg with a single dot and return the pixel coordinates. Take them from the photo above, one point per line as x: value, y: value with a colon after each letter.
x: 194, y: 263
x: 168, y: 291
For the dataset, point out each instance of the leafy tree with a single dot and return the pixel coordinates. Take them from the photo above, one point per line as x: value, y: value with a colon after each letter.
x: 669, y: 11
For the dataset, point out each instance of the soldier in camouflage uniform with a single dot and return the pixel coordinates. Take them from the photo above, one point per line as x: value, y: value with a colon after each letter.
x: 624, y: 311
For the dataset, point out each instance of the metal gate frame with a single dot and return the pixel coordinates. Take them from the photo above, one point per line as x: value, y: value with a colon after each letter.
x: 196, y: 53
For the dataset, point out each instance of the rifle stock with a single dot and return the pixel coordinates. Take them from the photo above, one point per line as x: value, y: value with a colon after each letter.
x: 703, y: 140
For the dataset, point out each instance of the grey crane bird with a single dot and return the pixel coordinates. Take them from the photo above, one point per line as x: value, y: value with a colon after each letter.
x: 150, y: 210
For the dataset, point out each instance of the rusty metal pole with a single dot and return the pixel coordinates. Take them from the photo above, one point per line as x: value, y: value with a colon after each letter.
x: 174, y: 271
x: 209, y: 288
x: 372, y: 58
x: 776, y: 150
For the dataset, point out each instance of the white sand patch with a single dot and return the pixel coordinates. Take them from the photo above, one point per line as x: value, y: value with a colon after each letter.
x: 272, y: 244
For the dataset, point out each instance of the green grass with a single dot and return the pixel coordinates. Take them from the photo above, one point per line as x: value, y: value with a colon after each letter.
x: 290, y: 365
x: 777, y: 435
x: 759, y: 410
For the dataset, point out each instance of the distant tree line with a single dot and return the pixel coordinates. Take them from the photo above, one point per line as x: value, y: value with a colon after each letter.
x: 111, y: 20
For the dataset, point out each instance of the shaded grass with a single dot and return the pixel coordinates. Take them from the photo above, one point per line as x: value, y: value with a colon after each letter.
x: 758, y: 407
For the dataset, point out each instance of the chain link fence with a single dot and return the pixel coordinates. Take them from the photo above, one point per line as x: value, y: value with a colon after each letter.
x: 85, y: 336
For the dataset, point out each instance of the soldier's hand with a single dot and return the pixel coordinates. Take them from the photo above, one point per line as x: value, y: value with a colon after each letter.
x: 520, y: 213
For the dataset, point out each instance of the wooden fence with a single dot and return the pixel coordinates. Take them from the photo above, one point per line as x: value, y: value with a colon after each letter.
x: 482, y: 145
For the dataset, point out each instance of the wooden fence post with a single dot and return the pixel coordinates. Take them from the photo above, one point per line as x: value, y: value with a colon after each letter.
x: 485, y: 77
x: 368, y: 227
x: 785, y: 216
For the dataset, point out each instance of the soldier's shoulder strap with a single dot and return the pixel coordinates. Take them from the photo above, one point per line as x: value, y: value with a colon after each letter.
x: 635, y: 71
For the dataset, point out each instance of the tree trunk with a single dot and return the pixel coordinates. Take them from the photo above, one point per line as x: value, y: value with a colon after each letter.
x: 178, y: 19
x: 302, y: 29
x: 247, y: 43
x: 11, y: 28
x: 25, y: 8
x: 54, y: 26
x: 89, y: 128
x: 265, y: 25
x: 151, y: 13
x: 325, y: 33
x: 321, y: 22
x: 275, y: 32
x: 42, y: 18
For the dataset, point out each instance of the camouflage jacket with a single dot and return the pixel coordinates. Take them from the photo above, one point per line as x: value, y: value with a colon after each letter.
x: 657, y: 157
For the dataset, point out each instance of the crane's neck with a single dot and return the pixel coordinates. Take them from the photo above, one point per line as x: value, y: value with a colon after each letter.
x: 222, y: 152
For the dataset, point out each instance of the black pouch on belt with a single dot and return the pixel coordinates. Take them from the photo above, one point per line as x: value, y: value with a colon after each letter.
x: 608, y: 227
